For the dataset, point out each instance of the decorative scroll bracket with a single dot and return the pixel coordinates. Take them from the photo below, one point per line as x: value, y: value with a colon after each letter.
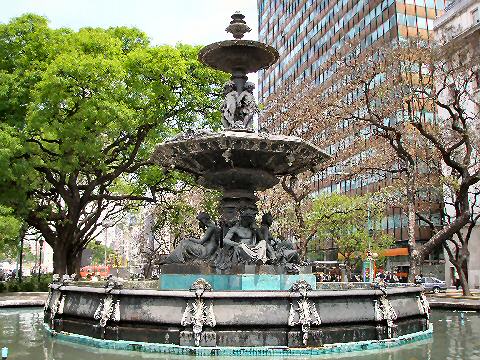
x: 197, y: 313
x: 384, y: 311
x: 306, y: 314
x: 109, y: 309
x: 424, y: 307
x: 57, y: 308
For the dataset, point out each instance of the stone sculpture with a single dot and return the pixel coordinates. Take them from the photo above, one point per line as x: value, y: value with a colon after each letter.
x: 238, y: 109
x: 284, y: 250
x: 191, y: 249
x: 243, y: 244
x: 306, y: 313
x: 197, y: 313
x: 247, y: 106
x: 229, y: 106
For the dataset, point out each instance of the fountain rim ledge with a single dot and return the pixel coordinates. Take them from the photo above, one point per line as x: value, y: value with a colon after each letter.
x: 337, y: 348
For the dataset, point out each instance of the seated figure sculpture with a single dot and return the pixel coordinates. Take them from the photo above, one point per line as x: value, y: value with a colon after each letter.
x: 243, y: 244
x: 285, y: 252
x: 192, y: 249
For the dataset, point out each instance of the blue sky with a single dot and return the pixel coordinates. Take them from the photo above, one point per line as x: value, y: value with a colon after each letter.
x: 165, y: 21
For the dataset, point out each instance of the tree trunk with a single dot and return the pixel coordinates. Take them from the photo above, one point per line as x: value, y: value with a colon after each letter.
x: 60, y: 259
x: 463, y: 281
x: 348, y: 270
x: 147, y: 270
x: 73, y: 264
x: 412, y: 247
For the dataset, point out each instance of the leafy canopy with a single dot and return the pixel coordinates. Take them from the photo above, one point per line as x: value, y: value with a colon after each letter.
x: 80, y: 115
x: 353, y: 223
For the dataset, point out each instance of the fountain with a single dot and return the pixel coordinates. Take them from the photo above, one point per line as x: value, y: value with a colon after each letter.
x: 236, y: 290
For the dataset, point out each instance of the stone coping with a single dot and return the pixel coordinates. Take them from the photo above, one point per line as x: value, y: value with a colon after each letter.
x: 321, y: 286
x: 240, y: 294
x: 241, y: 351
x: 22, y: 303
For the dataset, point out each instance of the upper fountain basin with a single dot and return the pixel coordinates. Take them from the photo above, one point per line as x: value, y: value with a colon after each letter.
x: 237, y: 159
x: 244, y: 56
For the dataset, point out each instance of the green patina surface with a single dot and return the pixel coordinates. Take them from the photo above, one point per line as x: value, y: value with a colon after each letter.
x: 238, y: 351
x: 235, y: 282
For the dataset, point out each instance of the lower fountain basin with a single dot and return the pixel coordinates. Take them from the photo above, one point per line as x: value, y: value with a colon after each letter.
x: 240, y: 318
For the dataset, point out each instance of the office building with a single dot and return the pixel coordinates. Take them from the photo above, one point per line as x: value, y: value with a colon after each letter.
x: 307, y: 33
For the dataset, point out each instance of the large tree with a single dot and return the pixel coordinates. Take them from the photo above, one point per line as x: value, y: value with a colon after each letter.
x: 376, y: 112
x: 86, y: 109
x: 353, y: 224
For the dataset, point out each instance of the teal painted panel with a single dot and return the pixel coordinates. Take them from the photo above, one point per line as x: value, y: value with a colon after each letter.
x: 289, y: 280
x: 235, y: 282
x: 261, y: 282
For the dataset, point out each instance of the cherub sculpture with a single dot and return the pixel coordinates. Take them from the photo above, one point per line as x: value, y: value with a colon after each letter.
x: 229, y: 105
x: 247, y: 105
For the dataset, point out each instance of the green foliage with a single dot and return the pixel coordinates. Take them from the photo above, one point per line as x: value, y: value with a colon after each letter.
x: 9, y: 225
x: 28, y: 284
x: 81, y: 113
x: 98, y: 252
x: 210, y: 203
x: 352, y: 223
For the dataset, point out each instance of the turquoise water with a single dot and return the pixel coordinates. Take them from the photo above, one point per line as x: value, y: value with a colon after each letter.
x: 456, y: 336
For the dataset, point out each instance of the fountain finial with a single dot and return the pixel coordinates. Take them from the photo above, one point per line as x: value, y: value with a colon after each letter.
x: 238, y: 27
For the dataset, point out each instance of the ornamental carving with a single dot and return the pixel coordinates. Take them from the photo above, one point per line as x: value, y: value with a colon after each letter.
x: 108, y: 309
x: 384, y: 311
x: 305, y: 314
x: 57, y: 308
x: 197, y: 313
x: 424, y: 306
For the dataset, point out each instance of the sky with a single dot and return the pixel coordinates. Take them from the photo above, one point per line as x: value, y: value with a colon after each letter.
x: 165, y: 21
x: 196, y: 22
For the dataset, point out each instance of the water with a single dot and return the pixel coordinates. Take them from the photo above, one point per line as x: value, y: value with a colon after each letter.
x: 456, y: 336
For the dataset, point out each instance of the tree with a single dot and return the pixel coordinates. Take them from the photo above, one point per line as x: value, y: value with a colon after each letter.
x: 376, y: 112
x: 99, y: 251
x: 85, y: 110
x: 457, y: 246
x: 351, y: 223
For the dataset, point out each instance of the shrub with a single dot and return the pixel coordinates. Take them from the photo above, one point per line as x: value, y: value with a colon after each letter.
x: 3, y: 286
x: 28, y: 285
x: 12, y: 286
x: 45, y: 280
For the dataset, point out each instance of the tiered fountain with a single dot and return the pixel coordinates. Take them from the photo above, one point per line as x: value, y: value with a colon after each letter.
x: 237, y: 290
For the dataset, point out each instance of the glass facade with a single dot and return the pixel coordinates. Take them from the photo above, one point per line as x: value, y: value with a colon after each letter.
x: 308, y: 32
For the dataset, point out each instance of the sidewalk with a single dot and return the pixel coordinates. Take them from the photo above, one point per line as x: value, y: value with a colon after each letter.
x: 454, y: 300
x: 22, y: 299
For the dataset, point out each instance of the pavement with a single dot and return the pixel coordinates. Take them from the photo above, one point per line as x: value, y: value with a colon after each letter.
x: 454, y: 300
x: 23, y: 299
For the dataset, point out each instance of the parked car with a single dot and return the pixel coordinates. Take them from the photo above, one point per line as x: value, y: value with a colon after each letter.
x: 433, y: 284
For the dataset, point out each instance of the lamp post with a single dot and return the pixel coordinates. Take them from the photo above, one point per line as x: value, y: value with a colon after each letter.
x: 40, y: 258
x: 20, y: 268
